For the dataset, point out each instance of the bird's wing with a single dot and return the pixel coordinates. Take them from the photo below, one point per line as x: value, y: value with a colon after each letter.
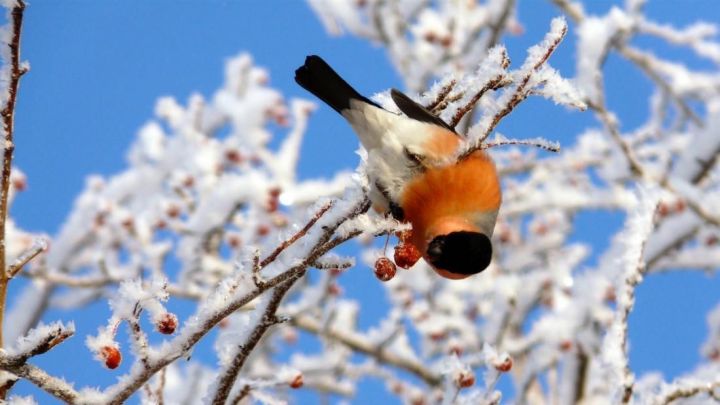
x: 415, y: 110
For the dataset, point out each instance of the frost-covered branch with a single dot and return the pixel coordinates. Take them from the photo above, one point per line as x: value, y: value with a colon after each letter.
x: 208, y: 316
x: 54, y: 386
x: 211, y: 210
x: 10, y: 75
x: 690, y: 391
x: 27, y: 256
x: 267, y: 318
x: 39, y: 341
x: 615, y: 345
x: 361, y: 344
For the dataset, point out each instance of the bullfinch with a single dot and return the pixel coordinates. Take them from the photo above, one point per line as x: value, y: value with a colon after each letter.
x: 452, y: 207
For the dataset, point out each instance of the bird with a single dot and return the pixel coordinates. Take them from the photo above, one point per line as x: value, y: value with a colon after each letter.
x: 452, y: 207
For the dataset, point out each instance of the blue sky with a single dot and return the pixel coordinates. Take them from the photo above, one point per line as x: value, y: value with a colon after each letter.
x: 99, y: 66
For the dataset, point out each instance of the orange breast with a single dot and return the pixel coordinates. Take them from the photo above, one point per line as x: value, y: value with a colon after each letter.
x: 452, y: 193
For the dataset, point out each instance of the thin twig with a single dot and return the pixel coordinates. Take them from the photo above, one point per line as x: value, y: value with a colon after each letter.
x: 227, y: 379
x: 52, y: 339
x: 550, y: 147
x: 637, y: 168
x: 641, y: 59
x: 644, y: 61
x: 494, y: 84
x: 625, y: 306
x: 691, y: 391
x: 299, y: 234
x: 361, y: 344
x: 442, y: 94
x: 15, y: 268
x: 54, y: 386
x: 8, y: 122
x: 160, y: 391
x: 138, y: 336
x: 242, y: 394
x: 611, y: 125
x: 520, y: 91
x: 16, y: 364
x: 321, y: 265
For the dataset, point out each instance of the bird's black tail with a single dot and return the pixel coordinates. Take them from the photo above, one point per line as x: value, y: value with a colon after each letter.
x: 317, y: 77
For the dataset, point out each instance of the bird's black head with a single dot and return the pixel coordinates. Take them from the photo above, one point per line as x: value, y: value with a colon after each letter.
x: 463, y: 253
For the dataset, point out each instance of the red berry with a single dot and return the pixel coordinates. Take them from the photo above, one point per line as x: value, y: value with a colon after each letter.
x: 610, y: 295
x: 111, y: 356
x: 438, y: 335
x: 541, y: 229
x: 406, y: 255
x: 234, y: 241
x: 679, y: 206
x: 505, y: 365
x: 297, y: 381
x: 167, y: 324
x: 173, y: 211
x: 711, y: 240
x: 19, y: 183
x: 566, y: 345
x: 233, y: 156
x: 465, y: 379
x: 505, y: 235
x: 128, y: 223
x: 446, y: 41
x: 334, y: 289
x: 384, y: 269
x: 281, y: 119
x: 274, y: 192
x: 99, y: 219
x: 263, y: 230
x: 663, y: 210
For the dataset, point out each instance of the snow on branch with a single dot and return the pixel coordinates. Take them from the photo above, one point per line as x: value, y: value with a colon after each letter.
x: 541, y: 143
x: 524, y: 80
x: 38, y: 341
x: 210, y: 211
x: 10, y: 74
x: 455, y: 98
x: 615, y: 344
x: 423, y: 39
